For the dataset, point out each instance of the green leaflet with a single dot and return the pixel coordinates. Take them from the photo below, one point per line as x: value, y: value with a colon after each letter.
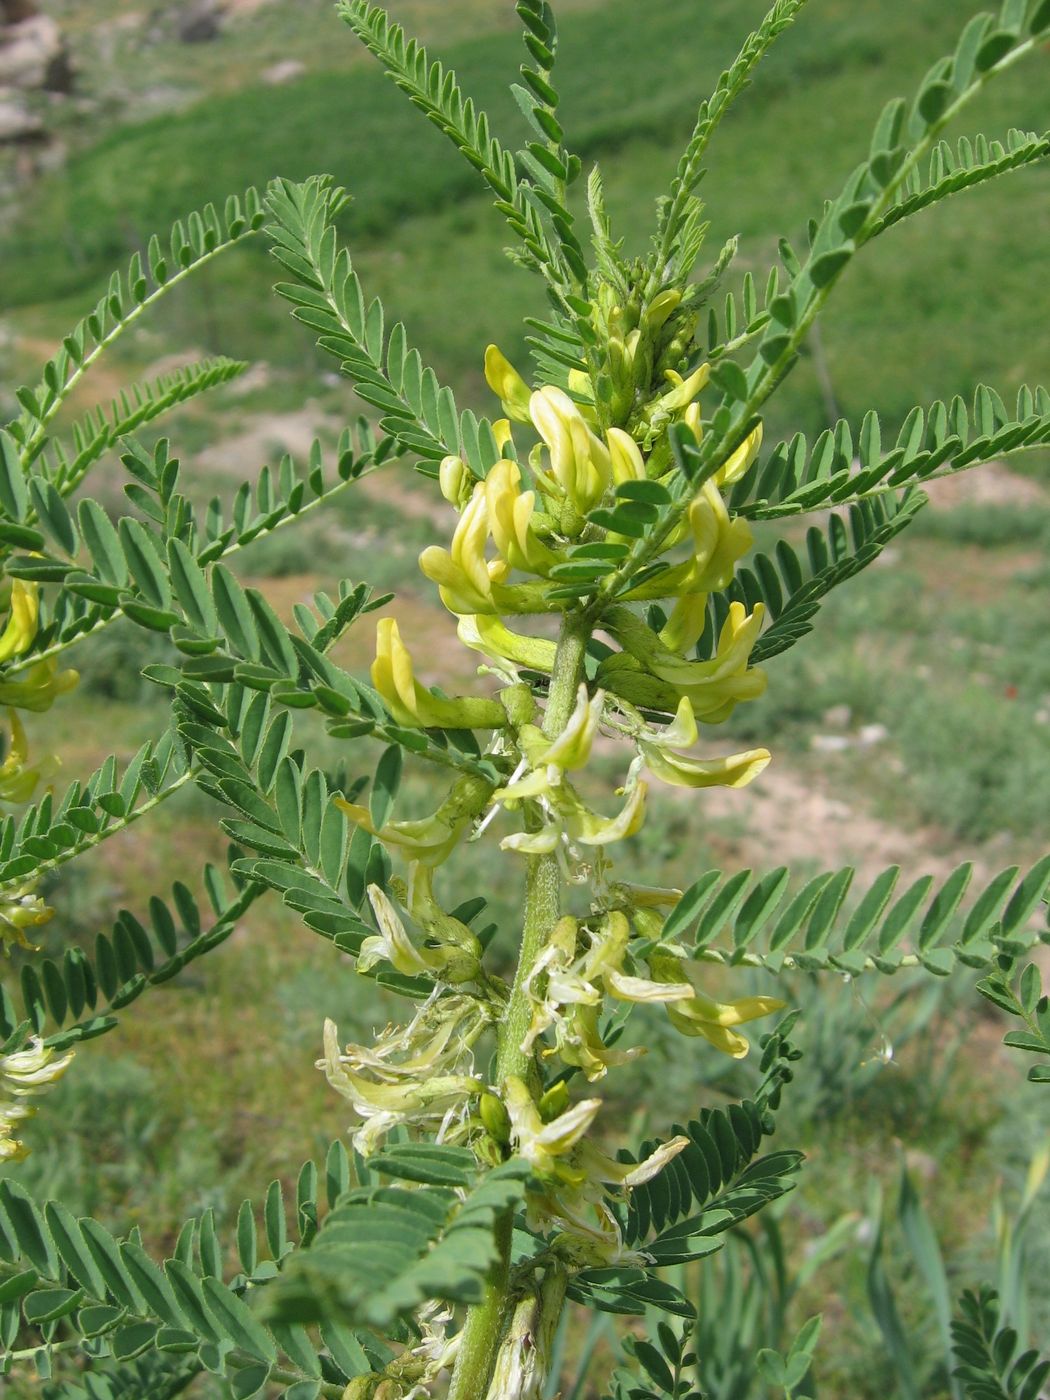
x: 384, y: 1250
x: 884, y: 929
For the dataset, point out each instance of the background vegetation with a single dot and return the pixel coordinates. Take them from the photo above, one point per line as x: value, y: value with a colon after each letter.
x: 913, y: 727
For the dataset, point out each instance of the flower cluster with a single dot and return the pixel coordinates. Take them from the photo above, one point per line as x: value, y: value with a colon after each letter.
x: 511, y: 534
x: 650, y: 691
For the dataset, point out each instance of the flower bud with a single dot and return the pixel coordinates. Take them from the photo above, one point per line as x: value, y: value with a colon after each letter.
x: 495, y: 1118
x: 456, y: 481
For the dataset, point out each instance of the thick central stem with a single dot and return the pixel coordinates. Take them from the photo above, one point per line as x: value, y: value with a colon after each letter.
x: 486, y: 1321
x: 542, y: 880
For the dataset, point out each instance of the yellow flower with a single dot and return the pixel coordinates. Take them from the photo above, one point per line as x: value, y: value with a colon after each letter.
x: 544, y: 1145
x: 660, y: 308
x: 658, y: 747
x: 38, y: 686
x: 488, y: 635
x: 12, y: 1149
x: 416, y: 1075
x: 718, y: 542
x: 580, y: 462
x: 683, y: 391
x: 410, y: 703
x: 739, y: 462
x: 462, y: 573
x: 625, y: 457
x: 734, y: 771
x: 456, y: 481
x: 653, y: 676
x: 510, y: 517
x: 505, y: 381
x: 17, y: 636
x: 452, y: 962
x: 32, y: 1070
x: 714, y: 1020
x: 685, y: 626
x: 571, y: 820
x: 428, y: 840
x: 393, y: 943
x: 17, y: 780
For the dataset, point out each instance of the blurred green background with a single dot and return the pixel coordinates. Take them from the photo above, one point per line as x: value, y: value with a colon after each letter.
x: 912, y: 727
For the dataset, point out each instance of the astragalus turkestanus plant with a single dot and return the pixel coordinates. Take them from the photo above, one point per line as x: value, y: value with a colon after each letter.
x: 596, y: 555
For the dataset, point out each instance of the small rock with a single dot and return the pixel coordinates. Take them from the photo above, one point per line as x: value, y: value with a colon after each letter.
x: 838, y: 716
x: 872, y: 734
x: 284, y: 72
x: 830, y: 743
x: 33, y: 55
x: 201, y: 21
x: 11, y: 11
x: 17, y: 123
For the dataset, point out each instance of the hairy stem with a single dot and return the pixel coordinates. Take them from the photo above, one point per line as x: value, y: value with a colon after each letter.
x: 485, y: 1322
x: 484, y: 1325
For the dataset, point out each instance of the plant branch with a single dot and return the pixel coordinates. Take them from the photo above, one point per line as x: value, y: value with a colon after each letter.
x: 484, y: 1326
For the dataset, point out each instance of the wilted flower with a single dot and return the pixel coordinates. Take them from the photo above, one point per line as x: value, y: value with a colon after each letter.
x: 24, y: 1074
x: 21, y: 908
x: 429, y: 840
x: 445, y: 962
x: 419, y: 1075
x: 576, y: 1177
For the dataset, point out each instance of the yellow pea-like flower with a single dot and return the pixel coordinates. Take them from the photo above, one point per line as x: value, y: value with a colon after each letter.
x: 21, y: 908
x: 736, y: 465
x: 456, y: 481
x: 18, y: 780
x: 683, y: 391
x: 662, y: 306
x: 702, y: 1016
x: 393, y: 943
x: 686, y: 624
x: 625, y: 457
x: 580, y: 462
x: 18, y: 634
x: 428, y: 841
x: 735, y: 771
x: 572, y: 748
x: 510, y: 519
x: 410, y: 703
x: 651, y: 674
x: 487, y: 634
x: 545, y: 1145
x: 505, y: 381
x: 590, y: 829
x: 38, y: 686
x: 462, y: 572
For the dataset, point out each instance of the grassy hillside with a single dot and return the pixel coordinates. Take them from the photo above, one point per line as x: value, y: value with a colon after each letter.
x: 941, y: 305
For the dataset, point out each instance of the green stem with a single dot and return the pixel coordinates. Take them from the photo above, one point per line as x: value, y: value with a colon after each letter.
x: 484, y: 1325
x: 485, y: 1322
